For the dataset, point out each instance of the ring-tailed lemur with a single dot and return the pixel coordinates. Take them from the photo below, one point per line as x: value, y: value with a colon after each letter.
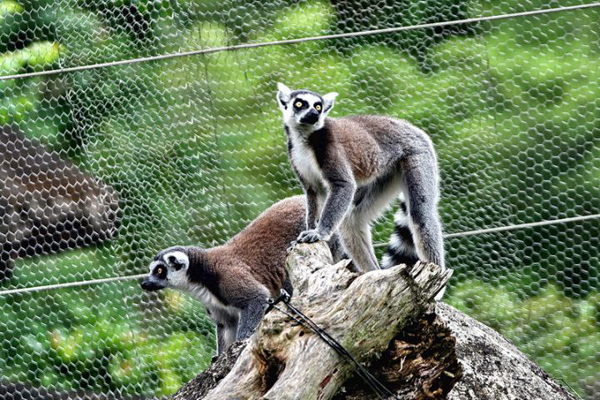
x: 351, y: 168
x: 235, y: 280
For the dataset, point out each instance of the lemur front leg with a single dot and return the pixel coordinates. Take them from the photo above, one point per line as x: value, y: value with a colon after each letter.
x: 227, y: 326
x: 251, y: 315
x: 312, y: 208
x: 338, y: 251
x: 312, y: 213
x: 341, y: 193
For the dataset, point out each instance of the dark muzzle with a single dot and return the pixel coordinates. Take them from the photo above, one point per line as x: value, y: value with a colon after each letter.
x: 311, y: 117
x: 151, y: 286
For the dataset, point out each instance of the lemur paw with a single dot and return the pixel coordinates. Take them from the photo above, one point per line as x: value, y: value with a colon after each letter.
x: 291, y: 246
x: 311, y: 236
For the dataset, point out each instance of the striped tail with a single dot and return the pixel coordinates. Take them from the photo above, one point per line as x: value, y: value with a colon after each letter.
x: 401, y: 249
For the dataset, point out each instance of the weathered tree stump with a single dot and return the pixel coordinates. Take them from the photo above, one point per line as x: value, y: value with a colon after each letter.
x: 388, y: 320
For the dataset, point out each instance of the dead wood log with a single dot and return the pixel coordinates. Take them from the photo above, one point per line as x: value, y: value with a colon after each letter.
x: 284, y: 360
x: 387, y: 320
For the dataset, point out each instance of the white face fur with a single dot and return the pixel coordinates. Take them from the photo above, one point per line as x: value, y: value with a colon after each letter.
x: 304, y: 110
x: 170, y: 269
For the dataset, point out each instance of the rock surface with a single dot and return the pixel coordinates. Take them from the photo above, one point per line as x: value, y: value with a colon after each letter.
x: 493, y: 368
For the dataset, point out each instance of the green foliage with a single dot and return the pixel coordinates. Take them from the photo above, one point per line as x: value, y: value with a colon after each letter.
x: 195, y: 150
x: 88, y: 339
x: 559, y: 333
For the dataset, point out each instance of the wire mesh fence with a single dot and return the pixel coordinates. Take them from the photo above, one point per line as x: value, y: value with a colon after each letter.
x: 130, y: 126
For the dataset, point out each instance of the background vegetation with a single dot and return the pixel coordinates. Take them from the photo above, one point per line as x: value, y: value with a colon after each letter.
x: 194, y: 147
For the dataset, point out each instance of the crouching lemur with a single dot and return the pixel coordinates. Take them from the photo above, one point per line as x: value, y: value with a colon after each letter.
x: 235, y: 280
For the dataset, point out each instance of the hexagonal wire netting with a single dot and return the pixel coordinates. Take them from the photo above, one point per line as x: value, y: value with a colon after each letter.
x: 129, y: 126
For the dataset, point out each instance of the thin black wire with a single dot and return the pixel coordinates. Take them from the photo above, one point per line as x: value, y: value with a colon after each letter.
x: 379, y: 388
x: 375, y: 384
x: 573, y: 392
x: 367, y: 378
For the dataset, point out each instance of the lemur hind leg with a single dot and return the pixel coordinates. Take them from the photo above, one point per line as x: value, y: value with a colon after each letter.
x: 422, y: 195
x: 369, y: 203
x: 356, y: 236
x: 338, y: 251
x: 227, y: 326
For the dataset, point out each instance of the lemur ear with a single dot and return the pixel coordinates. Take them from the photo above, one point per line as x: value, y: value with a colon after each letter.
x: 283, y: 96
x: 328, y: 101
x: 176, y: 262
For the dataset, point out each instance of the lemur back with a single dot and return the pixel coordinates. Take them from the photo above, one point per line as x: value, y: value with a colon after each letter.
x: 260, y: 249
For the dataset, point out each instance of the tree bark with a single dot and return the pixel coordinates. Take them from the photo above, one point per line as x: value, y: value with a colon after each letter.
x: 388, y: 320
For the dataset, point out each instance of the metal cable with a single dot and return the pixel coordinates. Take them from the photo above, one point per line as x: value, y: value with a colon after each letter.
x: 71, y: 284
x: 378, y: 388
x: 513, y: 227
x: 295, y: 41
x: 522, y: 226
x: 447, y: 236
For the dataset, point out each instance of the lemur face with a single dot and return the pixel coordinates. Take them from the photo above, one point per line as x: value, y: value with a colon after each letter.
x: 168, y: 269
x: 303, y: 109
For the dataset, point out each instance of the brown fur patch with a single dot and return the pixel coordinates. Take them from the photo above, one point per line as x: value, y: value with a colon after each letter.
x: 359, y: 146
x: 259, y: 251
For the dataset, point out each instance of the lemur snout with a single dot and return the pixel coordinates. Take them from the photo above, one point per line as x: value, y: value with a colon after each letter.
x: 310, y: 117
x: 151, y: 286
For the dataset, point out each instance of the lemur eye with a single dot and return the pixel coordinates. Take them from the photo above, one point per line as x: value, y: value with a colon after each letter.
x: 298, y: 104
x: 318, y: 107
x: 159, y: 271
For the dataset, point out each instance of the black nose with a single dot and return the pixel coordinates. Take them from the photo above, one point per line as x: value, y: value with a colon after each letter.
x: 310, y: 117
x: 150, y: 286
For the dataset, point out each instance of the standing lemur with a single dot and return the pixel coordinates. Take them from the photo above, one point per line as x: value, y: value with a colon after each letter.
x: 351, y: 169
x: 235, y: 280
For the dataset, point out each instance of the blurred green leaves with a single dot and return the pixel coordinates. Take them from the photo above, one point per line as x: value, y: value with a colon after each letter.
x: 84, y: 339
x: 559, y: 333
